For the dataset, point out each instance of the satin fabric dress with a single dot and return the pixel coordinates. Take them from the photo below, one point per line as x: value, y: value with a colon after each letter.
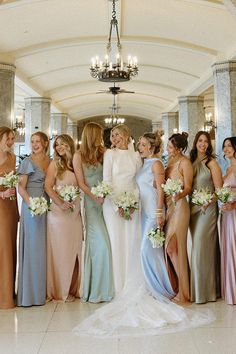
x: 98, y: 273
x: 8, y: 233
x: 228, y: 249
x: 32, y: 241
x: 64, y: 244
x: 119, y: 170
x: 152, y: 259
x: 205, y: 255
x: 177, y: 228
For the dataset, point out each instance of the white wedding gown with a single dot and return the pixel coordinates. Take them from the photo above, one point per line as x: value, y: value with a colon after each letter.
x: 134, y: 311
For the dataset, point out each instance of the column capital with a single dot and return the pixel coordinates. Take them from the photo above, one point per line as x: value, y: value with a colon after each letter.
x: 59, y: 115
x: 222, y: 66
x: 190, y: 99
x: 37, y: 99
x: 170, y: 114
x: 8, y: 67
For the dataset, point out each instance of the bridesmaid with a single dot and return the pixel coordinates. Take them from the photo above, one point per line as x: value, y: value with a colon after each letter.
x: 32, y: 239
x: 205, y: 256
x: 64, y: 227
x: 149, y: 180
x: 179, y: 168
x: 98, y: 275
x: 228, y: 228
x: 8, y: 229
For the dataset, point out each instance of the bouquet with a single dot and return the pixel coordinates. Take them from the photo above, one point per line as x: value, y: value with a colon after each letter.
x: 128, y: 202
x: 10, y: 180
x: 68, y: 193
x: 101, y: 190
x: 172, y: 187
x: 202, y: 197
x: 38, y: 206
x: 225, y: 195
x: 157, y: 237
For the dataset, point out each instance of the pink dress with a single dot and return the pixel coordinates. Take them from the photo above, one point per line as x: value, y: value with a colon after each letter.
x: 228, y: 249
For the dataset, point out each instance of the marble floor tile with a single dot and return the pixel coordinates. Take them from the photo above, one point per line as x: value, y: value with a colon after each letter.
x: 20, y: 343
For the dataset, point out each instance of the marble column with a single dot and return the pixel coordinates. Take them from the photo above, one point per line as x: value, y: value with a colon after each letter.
x: 170, y: 123
x: 191, y: 116
x: 59, y: 123
x: 37, y: 117
x: 225, y: 103
x: 72, y: 130
x: 7, y: 78
x: 156, y: 126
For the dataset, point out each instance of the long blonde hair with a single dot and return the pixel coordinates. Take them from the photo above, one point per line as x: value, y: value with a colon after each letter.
x: 64, y: 163
x: 91, y: 148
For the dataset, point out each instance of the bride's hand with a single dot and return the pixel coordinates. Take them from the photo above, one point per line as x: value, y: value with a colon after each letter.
x: 121, y: 212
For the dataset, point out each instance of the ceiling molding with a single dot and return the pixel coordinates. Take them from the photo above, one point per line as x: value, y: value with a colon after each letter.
x: 101, y: 40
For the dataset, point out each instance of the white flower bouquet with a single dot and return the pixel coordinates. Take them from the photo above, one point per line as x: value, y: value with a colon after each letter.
x: 101, y: 190
x: 38, y: 205
x: 127, y: 202
x: 68, y: 193
x: 10, y: 180
x: 172, y: 187
x: 157, y: 237
x: 225, y: 194
x: 202, y: 197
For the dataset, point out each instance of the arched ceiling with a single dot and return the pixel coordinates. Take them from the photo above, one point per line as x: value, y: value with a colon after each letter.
x: 51, y: 43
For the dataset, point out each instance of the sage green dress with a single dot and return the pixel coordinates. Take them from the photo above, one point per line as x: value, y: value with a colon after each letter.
x: 98, y: 272
x: 205, y: 257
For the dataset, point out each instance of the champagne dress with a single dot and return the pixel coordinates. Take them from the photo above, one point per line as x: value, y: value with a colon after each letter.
x: 228, y: 249
x: 152, y: 259
x: 205, y: 256
x: 8, y: 231
x: 32, y: 241
x: 64, y: 243
x: 176, y: 233
x: 98, y: 274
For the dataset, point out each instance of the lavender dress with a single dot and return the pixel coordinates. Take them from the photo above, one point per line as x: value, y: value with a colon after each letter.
x: 228, y: 249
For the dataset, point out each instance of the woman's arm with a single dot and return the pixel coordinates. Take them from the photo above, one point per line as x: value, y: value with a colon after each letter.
x: 215, y: 173
x: 159, y: 178
x: 187, y: 172
x: 78, y: 169
x: 22, y: 188
x: 50, y: 183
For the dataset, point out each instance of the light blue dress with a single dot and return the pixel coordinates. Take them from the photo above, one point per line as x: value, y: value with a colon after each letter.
x: 152, y: 259
x: 32, y: 242
x: 98, y: 273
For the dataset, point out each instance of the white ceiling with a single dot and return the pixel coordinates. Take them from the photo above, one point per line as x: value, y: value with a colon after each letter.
x: 51, y: 42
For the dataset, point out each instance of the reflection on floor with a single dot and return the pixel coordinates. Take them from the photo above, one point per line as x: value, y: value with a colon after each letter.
x: 47, y: 330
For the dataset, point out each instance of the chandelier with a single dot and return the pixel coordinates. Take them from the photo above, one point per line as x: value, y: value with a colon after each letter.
x: 19, y: 125
x: 113, y: 68
x: 114, y: 118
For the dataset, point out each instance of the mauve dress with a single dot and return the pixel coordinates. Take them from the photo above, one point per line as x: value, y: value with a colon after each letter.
x: 228, y: 249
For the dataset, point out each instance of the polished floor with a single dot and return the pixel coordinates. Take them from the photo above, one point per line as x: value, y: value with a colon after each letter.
x: 47, y: 330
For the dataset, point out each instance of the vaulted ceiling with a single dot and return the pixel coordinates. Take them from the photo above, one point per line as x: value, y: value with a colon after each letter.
x: 51, y: 43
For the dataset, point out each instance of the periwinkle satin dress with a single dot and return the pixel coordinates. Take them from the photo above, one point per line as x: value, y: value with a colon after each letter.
x: 98, y: 274
x: 205, y: 256
x: 228, y: 249
x: 32, y: 241
x: 152, y: 259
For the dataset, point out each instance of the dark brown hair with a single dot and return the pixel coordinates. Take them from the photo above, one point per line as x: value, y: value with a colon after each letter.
x: 180, y: 140
x: 209, y: 150
x: 5, y: 130
x: 232, y: 140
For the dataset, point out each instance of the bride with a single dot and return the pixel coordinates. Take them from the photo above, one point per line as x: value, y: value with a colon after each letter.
x: 135, y: 310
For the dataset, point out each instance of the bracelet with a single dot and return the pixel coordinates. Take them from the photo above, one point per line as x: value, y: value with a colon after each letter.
x: 159, y: 214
